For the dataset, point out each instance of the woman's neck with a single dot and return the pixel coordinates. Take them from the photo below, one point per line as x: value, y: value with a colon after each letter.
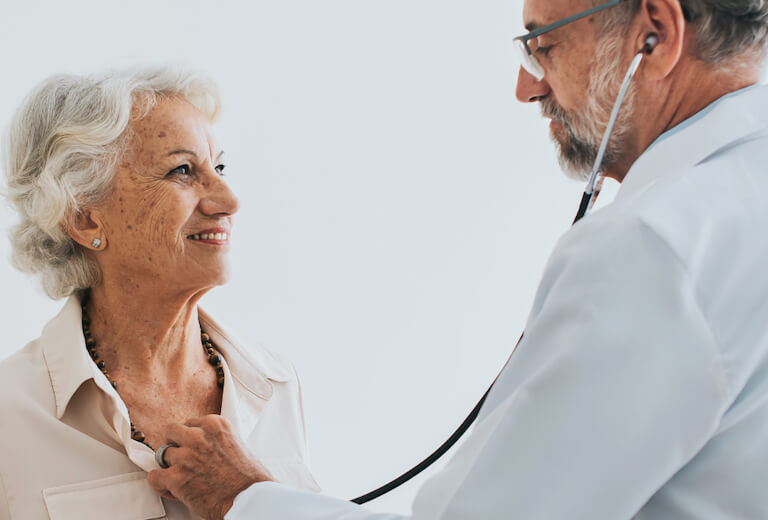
x: 146, y: 337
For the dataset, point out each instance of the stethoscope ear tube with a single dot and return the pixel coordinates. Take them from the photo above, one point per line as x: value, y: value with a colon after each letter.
x: 587, y: 201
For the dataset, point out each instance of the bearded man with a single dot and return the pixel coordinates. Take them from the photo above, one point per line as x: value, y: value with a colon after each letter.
x: 640, y: 389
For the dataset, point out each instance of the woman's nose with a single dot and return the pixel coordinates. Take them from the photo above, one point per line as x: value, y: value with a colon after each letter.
x: 219, y: 198
x: 529, y: 89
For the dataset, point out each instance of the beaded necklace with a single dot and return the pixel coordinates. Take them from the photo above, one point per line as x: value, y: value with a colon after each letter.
x: 214, y: 358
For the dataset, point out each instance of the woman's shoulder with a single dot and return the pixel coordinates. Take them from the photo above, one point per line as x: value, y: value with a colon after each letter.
x: 26, y: 379
x: 27, y: 398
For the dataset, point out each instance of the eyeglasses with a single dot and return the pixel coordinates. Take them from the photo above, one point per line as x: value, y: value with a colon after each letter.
x: 529, y: 61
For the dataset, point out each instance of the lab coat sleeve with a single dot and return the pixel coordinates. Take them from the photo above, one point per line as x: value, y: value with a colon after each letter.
x: 268, y: 501
x: 615, y: 387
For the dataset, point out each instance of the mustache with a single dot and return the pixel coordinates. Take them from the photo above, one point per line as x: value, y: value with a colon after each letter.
x: 550, y: 109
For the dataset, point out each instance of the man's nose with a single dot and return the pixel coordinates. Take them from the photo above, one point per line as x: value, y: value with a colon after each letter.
x: 529, y: 89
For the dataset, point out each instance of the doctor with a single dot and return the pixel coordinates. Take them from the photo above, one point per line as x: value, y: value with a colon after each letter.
x: 640, y: 389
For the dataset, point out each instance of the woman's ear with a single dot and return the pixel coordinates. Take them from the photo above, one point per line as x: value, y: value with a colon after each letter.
x: 666, y: 20
x: 85, y: 228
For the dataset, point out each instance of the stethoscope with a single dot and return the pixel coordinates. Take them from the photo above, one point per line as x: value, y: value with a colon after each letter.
x: 587, y: 202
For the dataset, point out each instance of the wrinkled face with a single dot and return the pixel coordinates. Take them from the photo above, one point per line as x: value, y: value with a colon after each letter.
x: 584, y: 71
x: 168, y: 221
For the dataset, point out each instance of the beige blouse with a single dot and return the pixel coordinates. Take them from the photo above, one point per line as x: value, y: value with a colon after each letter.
x: 66, y: 451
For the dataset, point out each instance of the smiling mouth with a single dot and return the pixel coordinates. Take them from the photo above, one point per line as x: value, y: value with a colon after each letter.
x: 210, y: 237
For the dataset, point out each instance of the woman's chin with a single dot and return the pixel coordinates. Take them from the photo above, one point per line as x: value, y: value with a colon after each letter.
x: 210, y: 279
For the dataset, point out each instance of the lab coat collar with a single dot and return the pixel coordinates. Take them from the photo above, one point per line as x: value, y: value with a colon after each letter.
x: 733, y: 118
x: 69, y: 365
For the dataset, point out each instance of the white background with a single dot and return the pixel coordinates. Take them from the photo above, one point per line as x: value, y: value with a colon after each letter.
x: 398, y: 204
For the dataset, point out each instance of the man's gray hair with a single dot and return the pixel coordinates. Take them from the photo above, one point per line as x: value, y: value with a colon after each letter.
x: 723, y: 29
x: 60, y: 155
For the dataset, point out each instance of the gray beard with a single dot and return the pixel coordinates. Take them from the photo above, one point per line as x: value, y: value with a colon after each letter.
x: 577, y: 150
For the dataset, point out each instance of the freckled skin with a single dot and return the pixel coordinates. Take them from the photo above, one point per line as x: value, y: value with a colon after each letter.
x: 144, y: 312
x: 150, y: 211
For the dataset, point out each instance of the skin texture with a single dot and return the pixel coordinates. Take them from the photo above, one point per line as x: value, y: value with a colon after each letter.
x: 209, y: 469
x: 144, y: 312
x: 671, y: 86
x: 671, y: 83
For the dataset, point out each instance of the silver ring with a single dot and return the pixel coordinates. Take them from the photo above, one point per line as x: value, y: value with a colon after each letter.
x: 160, y: 455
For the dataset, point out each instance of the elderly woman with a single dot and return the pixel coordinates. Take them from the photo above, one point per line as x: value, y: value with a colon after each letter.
x: 124, y: 210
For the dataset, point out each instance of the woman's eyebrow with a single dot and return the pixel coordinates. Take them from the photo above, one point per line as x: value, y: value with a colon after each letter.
x: 184, y: 152
x: 193, y: 154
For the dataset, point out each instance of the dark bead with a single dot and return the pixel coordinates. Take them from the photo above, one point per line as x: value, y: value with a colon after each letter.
x: 100, y: 364
x: 205, y: 337
x: 90, y: 343
x: 215, y: 360
x: 220, y: 382
x: 114, y: 384
x: 86, y: 321
x: 138, y: 436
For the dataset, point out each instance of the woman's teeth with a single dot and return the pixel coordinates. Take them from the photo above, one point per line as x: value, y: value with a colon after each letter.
x: 210, y: 236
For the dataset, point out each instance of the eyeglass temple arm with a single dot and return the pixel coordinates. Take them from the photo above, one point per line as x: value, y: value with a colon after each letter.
x: 565, y: 21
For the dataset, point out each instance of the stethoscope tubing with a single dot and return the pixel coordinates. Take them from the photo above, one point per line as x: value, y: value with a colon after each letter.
x: 587, y: 202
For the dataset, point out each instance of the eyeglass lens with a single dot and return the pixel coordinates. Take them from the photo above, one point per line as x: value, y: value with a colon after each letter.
x: 529, y: 62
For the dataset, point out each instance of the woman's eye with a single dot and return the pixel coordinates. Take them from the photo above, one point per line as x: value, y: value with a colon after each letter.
x: 184, y: 169
x: 543, y: 51
x: 220, y: 169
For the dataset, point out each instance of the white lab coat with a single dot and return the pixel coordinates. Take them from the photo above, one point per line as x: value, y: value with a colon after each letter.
x: 640, y: 389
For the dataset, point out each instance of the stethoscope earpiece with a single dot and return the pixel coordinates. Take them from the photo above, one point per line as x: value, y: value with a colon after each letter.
x: 650, y: 43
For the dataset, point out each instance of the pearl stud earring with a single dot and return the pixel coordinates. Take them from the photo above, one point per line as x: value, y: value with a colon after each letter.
x: 96, y: 243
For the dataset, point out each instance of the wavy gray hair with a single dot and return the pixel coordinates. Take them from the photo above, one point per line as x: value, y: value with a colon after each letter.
x: 724, y: 29
x: 60, y: 156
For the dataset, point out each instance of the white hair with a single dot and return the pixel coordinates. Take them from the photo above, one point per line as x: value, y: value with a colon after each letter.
x: 61, y: 152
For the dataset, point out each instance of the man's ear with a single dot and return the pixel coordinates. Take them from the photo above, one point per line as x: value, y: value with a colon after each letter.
x: 84, y: 227
x: 664, y: 18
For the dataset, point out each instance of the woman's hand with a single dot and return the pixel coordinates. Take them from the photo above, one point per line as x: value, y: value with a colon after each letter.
x: 208, y: 469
